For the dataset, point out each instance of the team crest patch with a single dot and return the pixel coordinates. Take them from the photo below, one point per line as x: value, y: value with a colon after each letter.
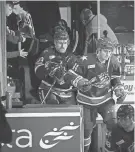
x: 103, y: 81
x: 52, y: 57
x: 62, y: 82
x: 91, y: 66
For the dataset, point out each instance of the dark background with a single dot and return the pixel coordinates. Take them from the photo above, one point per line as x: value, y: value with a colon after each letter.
x: 46, y: 13
x: 118, y: 13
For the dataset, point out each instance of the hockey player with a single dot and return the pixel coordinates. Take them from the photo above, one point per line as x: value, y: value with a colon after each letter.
x: 121, y: 138
x: 97, y: 76
x: 47, y: 39
x: 51, y: 67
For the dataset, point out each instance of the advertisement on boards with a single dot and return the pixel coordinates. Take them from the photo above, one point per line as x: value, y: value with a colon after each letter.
x: 129, y: 87
x: 125, y: 55
x: 45, y: 132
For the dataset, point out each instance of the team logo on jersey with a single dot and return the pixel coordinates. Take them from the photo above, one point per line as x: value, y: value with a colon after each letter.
x: 103, y: 81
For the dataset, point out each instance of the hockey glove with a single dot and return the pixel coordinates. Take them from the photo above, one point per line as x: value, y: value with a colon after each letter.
x: 58, y: 73
x: 83, y: 85
x: 120, y: 94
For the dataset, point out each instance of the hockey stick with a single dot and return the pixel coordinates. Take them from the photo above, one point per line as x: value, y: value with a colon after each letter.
x: 43, y: 102
x: 76, y: 41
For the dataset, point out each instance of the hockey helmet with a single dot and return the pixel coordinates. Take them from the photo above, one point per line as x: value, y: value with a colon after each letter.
x: 125, y: 110
x: 58, y: 28
x: 61, y: 35
x: 105, y: 42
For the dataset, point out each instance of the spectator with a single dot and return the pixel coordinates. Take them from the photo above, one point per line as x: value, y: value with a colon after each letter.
x: 24, y: 20
x: 26, y: 27
x: 90, y: 21
x: 12, y: 36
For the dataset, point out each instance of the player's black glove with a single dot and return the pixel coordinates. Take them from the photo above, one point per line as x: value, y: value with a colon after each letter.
x: 83, y: 85
x: 57, y: 72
